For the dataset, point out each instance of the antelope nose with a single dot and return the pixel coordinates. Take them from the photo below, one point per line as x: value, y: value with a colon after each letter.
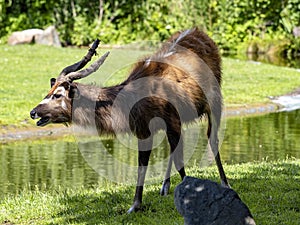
x: 33, y: 114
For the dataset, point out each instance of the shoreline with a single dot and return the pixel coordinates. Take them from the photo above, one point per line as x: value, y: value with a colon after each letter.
x: 11, y: 134
x: 287, y: 102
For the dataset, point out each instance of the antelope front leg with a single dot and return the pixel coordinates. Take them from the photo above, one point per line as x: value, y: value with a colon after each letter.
x: 145, y: 147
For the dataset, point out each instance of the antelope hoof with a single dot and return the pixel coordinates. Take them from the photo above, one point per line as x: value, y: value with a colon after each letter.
x: 135, y: 207
x: 165, y: 188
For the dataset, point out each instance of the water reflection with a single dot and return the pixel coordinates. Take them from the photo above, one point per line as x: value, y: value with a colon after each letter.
x: 273, y: 136
x: 43, y: 164
x: 53, y: 163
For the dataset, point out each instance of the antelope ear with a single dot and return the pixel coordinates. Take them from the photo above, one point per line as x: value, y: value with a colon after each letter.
x: 74, y: 93
x: 52, y: 81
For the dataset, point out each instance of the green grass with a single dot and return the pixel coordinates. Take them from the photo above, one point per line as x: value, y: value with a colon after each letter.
x: 270, y: 189
x: 250, y: 83
x: 25, y: 71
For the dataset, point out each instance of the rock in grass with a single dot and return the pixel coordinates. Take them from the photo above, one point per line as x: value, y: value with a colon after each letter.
x: 296, y: 31
x: 24, y: 37
x: 49, y: 37
x: 204, y: 202
x: 45, y: 37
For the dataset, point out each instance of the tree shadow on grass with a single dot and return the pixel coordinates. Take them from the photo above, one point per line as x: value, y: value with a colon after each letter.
x: 110, y: 207
x: 270, y: 190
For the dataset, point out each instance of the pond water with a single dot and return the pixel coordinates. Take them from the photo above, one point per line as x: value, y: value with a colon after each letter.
x: 73, y: 162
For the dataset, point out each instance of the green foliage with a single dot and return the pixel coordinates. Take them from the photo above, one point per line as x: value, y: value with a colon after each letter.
x: 245, y: 21
x: 122, y: 21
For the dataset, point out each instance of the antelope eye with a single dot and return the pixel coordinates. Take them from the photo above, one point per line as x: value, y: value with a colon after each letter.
x: 57, y: 95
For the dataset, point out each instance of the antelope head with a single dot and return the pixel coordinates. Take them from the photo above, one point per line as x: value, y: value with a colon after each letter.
x: 56, y: 107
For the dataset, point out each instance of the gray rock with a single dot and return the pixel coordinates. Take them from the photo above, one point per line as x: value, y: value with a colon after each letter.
x: 44, y: 37
x: 296, y: 31
x: 48, y: 37
x: 24, y: 37
x: 204, y: 202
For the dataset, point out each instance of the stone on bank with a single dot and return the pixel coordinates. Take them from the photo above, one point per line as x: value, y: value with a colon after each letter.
x: 204, y: 202
x: 48, y: 36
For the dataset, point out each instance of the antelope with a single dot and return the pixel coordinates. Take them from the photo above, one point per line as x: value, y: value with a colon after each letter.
x: 178, y: 84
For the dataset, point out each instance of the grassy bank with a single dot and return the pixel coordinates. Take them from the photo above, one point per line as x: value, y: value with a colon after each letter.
x: 25, y: 72
x: 270, y: 189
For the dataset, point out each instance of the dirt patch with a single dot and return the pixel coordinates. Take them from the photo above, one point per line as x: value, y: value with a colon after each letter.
x: 250, y: 110
x: 15, y: 134
x: 293, y: 93
x: 288, y: 102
